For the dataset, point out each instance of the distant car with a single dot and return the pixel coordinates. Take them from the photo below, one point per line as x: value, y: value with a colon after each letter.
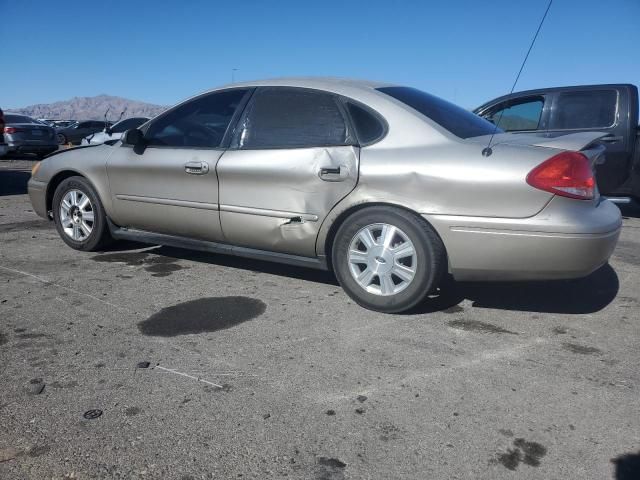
x: 3, y: 145
x: 388, y: 186
x: 62, y: 123
x: 24, y: 134
x: 76, y: 132
x: 114, y: 133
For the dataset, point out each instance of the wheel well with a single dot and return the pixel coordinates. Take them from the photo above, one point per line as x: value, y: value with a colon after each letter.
x: 333, y: 230
x: 57, y: 179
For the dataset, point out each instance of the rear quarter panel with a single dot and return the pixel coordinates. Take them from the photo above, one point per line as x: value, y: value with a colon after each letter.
x: 448, y: 178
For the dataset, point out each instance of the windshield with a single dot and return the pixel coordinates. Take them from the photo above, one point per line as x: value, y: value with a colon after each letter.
x: 452, y: 118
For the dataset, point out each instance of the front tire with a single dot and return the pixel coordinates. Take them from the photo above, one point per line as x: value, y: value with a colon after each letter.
x: 62, y: 140
x: 387, y: 259
x: 79, y: 216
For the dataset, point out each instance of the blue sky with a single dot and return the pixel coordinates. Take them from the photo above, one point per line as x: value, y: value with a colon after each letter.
x: 467, y: 51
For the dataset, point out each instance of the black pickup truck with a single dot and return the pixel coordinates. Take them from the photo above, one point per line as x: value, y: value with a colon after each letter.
x: 611, y: 109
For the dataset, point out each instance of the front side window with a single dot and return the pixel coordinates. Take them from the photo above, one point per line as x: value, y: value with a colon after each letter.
x: 517, y: 115
x: 291, y: 118
x: 201, y: 122
x: 84, y: 125
x: 452, y: 118
x: 586, y: 109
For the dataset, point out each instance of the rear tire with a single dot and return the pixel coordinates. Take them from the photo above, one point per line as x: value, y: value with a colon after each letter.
x: 387, y: 259
x: 79, y: 215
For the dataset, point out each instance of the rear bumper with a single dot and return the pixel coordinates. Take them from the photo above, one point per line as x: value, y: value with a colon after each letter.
x: 38, y: 196
x: 567, y: 239
x: 26, y: 148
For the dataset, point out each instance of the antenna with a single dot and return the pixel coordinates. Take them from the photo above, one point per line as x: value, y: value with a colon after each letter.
x: 487, y: 151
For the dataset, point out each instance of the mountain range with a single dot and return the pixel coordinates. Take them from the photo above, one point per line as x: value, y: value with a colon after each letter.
x: 91, y: 108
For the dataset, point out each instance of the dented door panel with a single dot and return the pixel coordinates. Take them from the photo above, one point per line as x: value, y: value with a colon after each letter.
x: 276, y: 199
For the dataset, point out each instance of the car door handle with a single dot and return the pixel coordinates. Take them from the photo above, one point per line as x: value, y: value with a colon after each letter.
x: 196, y: 168
x: 333, y: 174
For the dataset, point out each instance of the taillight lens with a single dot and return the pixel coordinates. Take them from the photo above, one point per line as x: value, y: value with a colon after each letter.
x: 568, y: 174
x: 11, y: 130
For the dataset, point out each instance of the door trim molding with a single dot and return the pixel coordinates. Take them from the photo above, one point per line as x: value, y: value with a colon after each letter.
x: 263, y: 212
x: 168, y: 201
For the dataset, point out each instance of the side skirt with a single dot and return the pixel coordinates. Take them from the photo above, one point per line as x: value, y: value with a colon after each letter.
x: 213, y: 247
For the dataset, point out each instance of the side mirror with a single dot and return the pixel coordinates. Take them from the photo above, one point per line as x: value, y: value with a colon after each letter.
x: 133, y: 137
x: 108, y: 131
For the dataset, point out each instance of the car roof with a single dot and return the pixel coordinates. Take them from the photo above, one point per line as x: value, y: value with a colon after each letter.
x: 331, y: 84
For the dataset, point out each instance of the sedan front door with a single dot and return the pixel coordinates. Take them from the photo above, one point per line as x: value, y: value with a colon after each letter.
x: 291, y: 161
x: 171, y: 187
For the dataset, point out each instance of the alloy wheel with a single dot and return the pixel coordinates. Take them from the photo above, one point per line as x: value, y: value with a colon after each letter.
x: 77, y: 215
x: 382, y: 259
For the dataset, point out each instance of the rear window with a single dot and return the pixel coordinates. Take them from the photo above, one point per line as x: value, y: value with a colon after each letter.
x: 452, y: 118
x: 586, y: 109
x: 12, y: 118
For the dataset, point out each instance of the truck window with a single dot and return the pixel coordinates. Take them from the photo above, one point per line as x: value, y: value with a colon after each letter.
x: 585, y: 109
x: 518, y: 115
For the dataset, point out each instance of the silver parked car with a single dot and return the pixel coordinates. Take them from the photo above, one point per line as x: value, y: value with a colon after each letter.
x: 388, y: 186
x: 24, y: 134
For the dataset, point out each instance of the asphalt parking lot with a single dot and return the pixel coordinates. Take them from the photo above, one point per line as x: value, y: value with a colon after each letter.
x: 258, y: 370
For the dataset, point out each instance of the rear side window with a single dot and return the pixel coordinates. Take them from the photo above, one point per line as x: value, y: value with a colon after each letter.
x: 291, y: 118
x: 586, y: 109
x: 368, y: 127
x: 200, y: 123
x: 517, y: 115
x: 456, y: 120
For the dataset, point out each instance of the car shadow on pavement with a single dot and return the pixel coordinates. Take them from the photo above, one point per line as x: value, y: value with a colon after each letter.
x: 627, y: 466
x: 272, y: 268
x: 13, y: 182
x: 585, y: 295
x: 630, y: 211
x: 581, y: 296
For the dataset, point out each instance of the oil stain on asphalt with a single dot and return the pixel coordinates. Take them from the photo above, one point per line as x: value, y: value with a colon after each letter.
x: 581, y: 349
x: 477, y: 326
x: 157, y: 265
x: 330, y: 469
x: 529, y: 453
x: 202, y: 315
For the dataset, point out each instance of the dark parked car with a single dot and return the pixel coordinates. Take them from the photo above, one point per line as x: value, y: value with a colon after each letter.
x: 551, y: 112
x: 24, y: 134
x: 3, y: 145
x: 76, y: 132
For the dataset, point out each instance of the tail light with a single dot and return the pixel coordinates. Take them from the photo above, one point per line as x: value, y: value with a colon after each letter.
x: 567, y: 174
x: 11, y: 130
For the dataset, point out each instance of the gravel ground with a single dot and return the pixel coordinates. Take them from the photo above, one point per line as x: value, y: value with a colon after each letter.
x: 256, y: 370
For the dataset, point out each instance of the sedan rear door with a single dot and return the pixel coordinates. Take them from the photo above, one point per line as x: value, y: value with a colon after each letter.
x: 292, y: 159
